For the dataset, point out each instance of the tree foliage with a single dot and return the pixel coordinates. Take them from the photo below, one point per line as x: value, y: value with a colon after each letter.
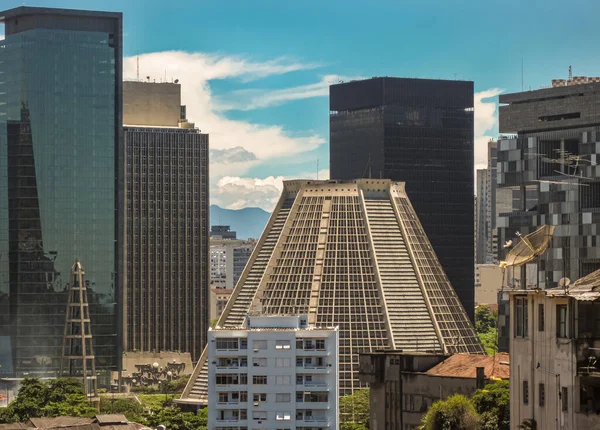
x: 354, y: 410
x: 174, y: 418
x: 457, y: 412
x: 493, y: 405
x: 489, y: 341
x: 131, y: 408
x: 485, y: 319
x: 63, y: 396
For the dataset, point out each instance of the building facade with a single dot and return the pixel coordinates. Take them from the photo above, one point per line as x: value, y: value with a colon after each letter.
x: 552, y: 162
x: 404, y: 385
x: 418, y: 131
x: 166, y: 295
x: 275, y: 372
x: 61, y: 140
x: 554, y: 352
x: 350, y: 254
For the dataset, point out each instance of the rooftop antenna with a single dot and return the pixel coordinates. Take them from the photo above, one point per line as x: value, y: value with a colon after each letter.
x: 317, y: 169
x: 77, y: 356
x: 138, y: 68
x: 570, y: 73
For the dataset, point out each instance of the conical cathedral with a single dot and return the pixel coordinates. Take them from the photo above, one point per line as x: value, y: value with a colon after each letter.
x: 351, y: 254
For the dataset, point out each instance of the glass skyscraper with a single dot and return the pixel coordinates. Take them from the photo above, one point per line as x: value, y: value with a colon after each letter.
x: 418, y: 131
x: 60, y: 140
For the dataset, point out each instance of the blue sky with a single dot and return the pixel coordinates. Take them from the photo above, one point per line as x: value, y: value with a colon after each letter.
x: 255, y: 73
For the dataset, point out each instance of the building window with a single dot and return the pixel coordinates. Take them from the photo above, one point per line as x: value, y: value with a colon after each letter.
x: 259, y: 362
x: 521, y: 317
x: 564, y: 397
x: 525, y: 392
x: 259, y: 397
x: 259, y: 380
x: 561, y: 321
x: 540, y: 317
x: 283, y: 416
x: 259, y: 415
x: 283, y: 362
x: 283, y: 379
x: 283, y: 397
x: 227, y: 344
x: 259, y: 344
x: 282, y: 344
x: 542, y: 394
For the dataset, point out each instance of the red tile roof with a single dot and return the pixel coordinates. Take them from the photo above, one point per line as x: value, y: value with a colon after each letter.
x: 464, y: 366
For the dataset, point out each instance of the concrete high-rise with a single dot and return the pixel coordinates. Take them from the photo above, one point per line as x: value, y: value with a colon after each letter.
x: 61, y: 139
x: 418, y: 131
x: 551, y: 164
x: 276, y: 371
x: 167, y: 250
x: 351, y: 254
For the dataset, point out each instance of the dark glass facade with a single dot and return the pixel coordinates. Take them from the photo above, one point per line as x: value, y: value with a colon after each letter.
x: 60, y: 136
x: 417, y: 131
x: 167, y: 261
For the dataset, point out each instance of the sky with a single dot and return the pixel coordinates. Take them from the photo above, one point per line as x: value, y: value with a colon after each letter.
x: 255, y: 73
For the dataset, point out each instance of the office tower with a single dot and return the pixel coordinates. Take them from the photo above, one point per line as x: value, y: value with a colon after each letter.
x: 167, y: 255
x: 275, y: 371
x: 60, y: 130
x: 481, y: 218
x: 418, y: 131
x: 222, y: 232
x: 351, y: 254
x: 228, y: 258
x: 551, y: 166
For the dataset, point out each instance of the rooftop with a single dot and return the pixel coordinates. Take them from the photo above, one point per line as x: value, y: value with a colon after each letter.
x: 464, y: 366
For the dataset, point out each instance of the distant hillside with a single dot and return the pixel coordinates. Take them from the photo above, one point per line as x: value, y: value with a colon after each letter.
x: 247, y: 222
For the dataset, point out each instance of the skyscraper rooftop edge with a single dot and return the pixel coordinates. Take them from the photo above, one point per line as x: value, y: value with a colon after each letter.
x: 32, y: 10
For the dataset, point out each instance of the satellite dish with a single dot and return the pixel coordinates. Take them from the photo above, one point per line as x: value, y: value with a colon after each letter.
x: 529, y: 247
x: 564, y: 282
x: 176, y: 81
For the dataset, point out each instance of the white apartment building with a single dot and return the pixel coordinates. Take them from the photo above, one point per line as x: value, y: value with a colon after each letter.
x: 276, y: 373
x: 555, y: 356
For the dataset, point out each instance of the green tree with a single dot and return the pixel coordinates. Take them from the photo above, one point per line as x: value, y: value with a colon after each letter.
x: 493, y: 405
x: 489, y: 341
x: 213, y: 322
x: 131, y: 408
x: 72, y: 405
x: 61, y: 396
x: 354, y: 410
x: 485, y: 319
x: 174, y: 419
x: 454, y: 413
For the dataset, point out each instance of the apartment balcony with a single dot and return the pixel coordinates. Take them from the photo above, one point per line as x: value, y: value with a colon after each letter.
x: 314, y: 369
x: 313, y: 422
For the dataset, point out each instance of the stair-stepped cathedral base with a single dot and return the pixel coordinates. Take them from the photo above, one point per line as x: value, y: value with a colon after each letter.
x: 351, y: 254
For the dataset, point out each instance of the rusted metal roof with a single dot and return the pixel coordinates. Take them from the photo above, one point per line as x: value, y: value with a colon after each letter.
x: 586, y: 288
x: 112, y: 419
x: 465, y: 365
x: 59, y: 422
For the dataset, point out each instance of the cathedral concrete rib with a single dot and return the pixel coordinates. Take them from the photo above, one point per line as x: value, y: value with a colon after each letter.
x: 350, y: 254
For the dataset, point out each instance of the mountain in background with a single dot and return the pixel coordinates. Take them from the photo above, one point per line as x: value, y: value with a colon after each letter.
x: 247, y: 222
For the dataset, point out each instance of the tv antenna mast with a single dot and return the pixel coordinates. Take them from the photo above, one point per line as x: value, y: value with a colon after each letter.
x: 77, y: 348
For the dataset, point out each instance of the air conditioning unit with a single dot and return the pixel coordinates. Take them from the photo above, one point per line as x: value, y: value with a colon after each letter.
x: 256, y: 403
x: 256, y: 349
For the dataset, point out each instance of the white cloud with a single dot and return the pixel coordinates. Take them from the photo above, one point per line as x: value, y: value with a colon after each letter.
x: 236, y: 193
x: 262, y: 98
x: 486, y: 119
x: 194, y: 72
